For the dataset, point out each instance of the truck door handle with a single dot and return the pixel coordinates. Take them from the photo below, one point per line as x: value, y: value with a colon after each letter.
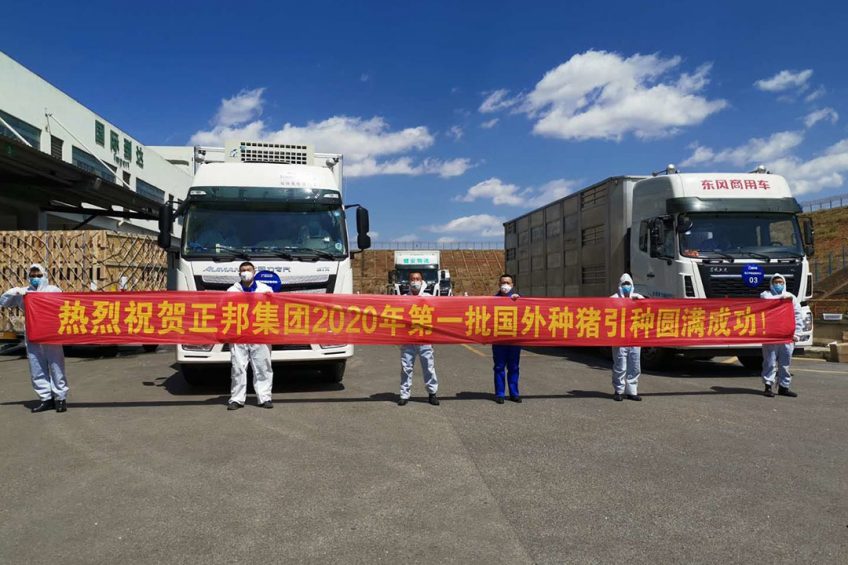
x: 650, y: 275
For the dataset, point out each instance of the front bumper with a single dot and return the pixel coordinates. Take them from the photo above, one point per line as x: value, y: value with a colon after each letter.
x: 219, y: 353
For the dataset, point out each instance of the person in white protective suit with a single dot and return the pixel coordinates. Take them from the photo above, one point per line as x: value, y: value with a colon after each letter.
x: 46, y: 361
x: 627, y: 362
x: 258, y: 355
x: 408, y: 352
x: 778, y: 356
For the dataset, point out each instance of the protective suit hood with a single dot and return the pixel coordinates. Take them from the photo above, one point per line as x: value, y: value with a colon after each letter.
x: 776, y: 276
x: 625, y: 278
x: 41, y: 268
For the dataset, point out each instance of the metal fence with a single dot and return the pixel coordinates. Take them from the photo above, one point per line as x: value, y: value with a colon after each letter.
x: 444, y: 245
x: 823, y: 266
x: 838, y: 201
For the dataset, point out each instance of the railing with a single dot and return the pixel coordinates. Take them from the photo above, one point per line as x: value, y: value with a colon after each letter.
x: 838, y: 201
x: 443, y: 245
x: 823, y: 266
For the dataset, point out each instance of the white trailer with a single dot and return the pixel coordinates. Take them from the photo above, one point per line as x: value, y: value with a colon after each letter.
x: 428, y: 263
x: 704, y: 235
x: 279, y: 206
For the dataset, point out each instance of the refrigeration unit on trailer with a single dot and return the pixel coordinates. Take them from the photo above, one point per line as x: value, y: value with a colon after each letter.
x: 279, y: 206
x: 693, y: 235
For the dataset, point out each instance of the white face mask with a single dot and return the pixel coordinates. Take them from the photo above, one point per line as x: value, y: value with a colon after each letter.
x: 246, y: 276
x: 416, y: 285
x: 505, y: 288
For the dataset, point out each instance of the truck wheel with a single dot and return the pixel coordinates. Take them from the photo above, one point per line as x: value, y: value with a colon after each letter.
x: 333, y: 372
x: 150, y: 348
x: 752, y: 362
x: 195, y: 375
x: 653, y: 358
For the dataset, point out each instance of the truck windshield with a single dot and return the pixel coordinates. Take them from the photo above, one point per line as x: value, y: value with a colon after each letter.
x: 291, y: 230
x: 761, y: 236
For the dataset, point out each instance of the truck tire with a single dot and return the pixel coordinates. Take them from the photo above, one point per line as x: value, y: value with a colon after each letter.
x: 752, y: 362
x: 195, y: 375
x: 654, y: 357
x: 150, y: 348
x: 333, y: 372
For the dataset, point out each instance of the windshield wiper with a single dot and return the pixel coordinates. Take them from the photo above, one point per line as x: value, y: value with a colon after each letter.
x: 727, y: 256
x: 317, y: 252
x: 756, y: 255
x: 276, y: 251
x: 235, y: 253
x: 792, y: 254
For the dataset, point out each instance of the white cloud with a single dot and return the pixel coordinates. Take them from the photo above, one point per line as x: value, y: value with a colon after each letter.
x: 407, y: 237
x: 550, y: 191
x: 827, y: 170
x: 456, y: 133
x: 602, y: 95
x: 364, y: 142
x: 447, y: 240
x: 785, y: 80
x: 243, y: 107
x: 495, y: 189
x: 364, y: 77
x: 406, y: 166
x: 374, y: 234
x: 496, y: 101
x: 489, y: 124
x: 483, y: 225
x: 816, y: 94
x: 502, y: 193
x: 828, y: 114
x: 755, y: 151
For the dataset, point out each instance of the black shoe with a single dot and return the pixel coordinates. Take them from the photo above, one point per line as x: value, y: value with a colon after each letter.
x: 267, y: 404
x: 516, y: 399
x: 635, y: 397
x: 44, y: 406
x: 499, y: 399
x: 617, y: 397
x: 61, y: 406
x: 784, y: 391
x: 433, y: 399
x: 768, y: 392
x: 233, y: 406
x: 403, y: 401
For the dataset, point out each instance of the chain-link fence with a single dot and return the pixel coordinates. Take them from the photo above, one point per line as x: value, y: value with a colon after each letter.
x: 445, y: 245
x: 824, y: 265
x: 838, y: 201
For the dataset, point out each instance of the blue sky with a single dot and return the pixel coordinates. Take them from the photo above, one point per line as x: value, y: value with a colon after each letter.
x: 454, y: 116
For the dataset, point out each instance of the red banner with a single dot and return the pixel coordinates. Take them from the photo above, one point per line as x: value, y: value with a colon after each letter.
x: 227, y: 317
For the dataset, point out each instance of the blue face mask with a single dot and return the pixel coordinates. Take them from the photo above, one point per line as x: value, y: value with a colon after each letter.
x: 35, y: 281
x: 778, y: 288
x: 626, y: 289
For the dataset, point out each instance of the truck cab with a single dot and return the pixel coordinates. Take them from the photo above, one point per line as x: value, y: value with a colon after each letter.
x: 720, y: 235
x: 428, y: 263
x: 279, y: 206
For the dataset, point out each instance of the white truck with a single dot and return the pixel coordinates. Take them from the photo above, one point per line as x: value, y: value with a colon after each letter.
x: 428, y: 263
x: 704, y: 235
x: 279, y: 206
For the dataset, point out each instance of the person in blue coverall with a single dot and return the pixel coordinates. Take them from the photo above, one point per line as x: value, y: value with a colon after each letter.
x: 46, y: 361
x: 777, y: 356
x: 627, y: 360
x: 506, y: 357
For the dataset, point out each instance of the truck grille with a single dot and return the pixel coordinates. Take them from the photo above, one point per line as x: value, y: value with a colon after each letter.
x: 725, y: 280
x: 315, y: 287
x: 279, y: 347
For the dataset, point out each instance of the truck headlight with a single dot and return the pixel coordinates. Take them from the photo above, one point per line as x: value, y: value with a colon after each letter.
x: 198, y: 348
x: 808, y: 321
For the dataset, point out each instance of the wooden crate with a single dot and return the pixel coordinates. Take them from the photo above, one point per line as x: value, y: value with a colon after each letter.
x: 80, y: 261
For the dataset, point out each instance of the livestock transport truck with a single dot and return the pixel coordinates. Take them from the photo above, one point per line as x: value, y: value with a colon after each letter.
x: 279, y: 206
x: 704, y: 235
x: 428, y: 263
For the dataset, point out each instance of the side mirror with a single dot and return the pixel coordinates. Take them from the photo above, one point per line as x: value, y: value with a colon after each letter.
x: 363, y: 240
x: 809, y: 236
x: 684, y: 223
x: 166, y: 225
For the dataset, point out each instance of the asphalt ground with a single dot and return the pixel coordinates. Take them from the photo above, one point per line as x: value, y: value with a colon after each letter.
x: 143, y: 468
